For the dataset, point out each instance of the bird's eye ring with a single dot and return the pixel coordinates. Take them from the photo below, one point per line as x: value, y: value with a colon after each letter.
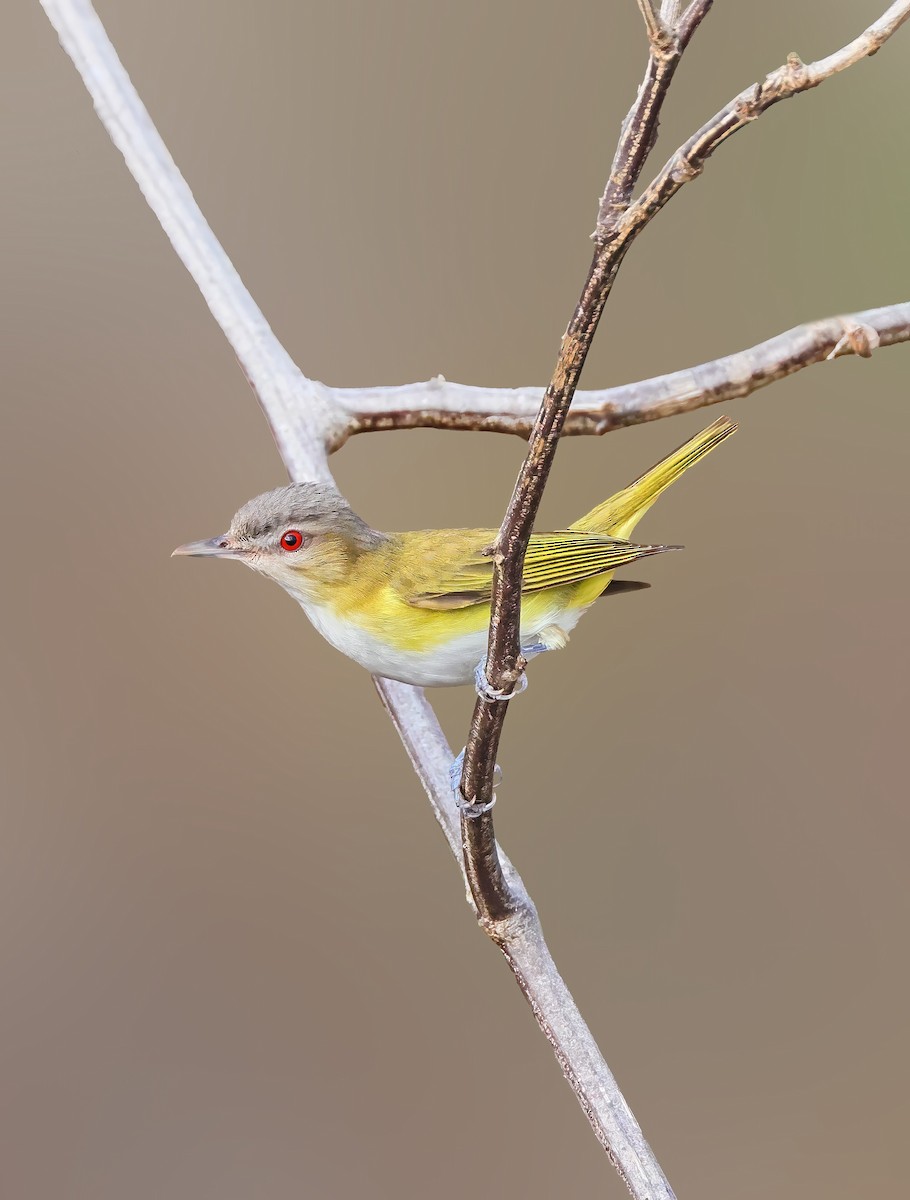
x: 291, y: 539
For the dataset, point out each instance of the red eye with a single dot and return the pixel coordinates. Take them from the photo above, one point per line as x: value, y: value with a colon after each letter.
x: 291, y: 540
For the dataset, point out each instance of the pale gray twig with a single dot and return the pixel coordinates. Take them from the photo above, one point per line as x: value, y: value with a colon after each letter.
x: 522, y: 943
x: 669, y: 12
x: 298, y: 409
x: 304, y: 419
x: 440, y: 404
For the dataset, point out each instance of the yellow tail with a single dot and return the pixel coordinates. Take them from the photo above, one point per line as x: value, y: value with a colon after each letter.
x: 619, y: 515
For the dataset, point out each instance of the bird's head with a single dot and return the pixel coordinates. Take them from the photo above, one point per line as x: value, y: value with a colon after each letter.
x: 304, y: 536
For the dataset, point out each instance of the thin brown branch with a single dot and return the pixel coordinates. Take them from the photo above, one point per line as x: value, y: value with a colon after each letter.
x: 691, y: 18
x: 791, y: 79
x: 638, y: 132
x: 525, y: 950
x: 439, y: 404
x: 504, y: 661
x: 637, y: 135
x: 617, y: 228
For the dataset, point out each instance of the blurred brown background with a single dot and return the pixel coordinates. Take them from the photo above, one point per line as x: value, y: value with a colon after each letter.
x: 236, y: 956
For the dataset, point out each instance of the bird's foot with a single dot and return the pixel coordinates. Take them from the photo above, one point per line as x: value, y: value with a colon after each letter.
x: 551, y: 637
x: 485, y: 689
x: 463, y: 805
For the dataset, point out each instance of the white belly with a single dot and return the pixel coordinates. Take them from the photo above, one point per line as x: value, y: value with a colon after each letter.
x: 446, y: 665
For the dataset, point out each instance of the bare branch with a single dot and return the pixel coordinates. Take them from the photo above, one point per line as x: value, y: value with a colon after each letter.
x: 638, y: 132
x: 788, y: 80
x: 305, y: 420
x: 654, y: 26
x: 504, y: 662
x: 439, y: 404
x: 298, y: 409
x: 522, y: 943
x: 664, y: 23
x: 691, y: 19
x: 617, y: 228
x: 669, y: 12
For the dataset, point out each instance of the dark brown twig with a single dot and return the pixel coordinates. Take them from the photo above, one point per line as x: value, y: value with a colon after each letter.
x: 504, y: 663
x: 617, y: 228
x: 639, y: 129
x: 791, y: 79
x: 523, y: 946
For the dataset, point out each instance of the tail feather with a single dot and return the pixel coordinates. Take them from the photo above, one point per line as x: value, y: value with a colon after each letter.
x: 619, y: 515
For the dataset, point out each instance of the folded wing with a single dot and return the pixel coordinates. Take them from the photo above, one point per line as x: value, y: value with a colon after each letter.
x: 464, y: 575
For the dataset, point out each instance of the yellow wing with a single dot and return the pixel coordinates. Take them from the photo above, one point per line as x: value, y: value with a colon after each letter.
x: 462, y: 575
x: 453, y: 570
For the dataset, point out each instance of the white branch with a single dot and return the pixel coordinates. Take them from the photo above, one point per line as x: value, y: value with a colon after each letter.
x: 869, y: 42
x: 298, y: 409
x: 440, y: 404
x: 669, y: 13
x: 532, y: 964
x: 305, y: 420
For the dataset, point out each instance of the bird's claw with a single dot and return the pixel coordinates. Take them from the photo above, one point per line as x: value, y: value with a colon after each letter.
x: 485, y: 689
x: 464, y: 806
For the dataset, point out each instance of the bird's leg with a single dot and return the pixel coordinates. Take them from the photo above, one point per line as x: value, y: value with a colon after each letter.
x: 551, y: 637
x: 461, y: 803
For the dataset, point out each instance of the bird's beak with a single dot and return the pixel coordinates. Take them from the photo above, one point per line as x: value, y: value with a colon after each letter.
x: 217, y: 547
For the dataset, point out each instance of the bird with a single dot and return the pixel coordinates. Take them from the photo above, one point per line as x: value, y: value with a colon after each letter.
x: 415, y: 606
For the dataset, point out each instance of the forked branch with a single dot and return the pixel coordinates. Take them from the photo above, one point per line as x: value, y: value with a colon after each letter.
x: 619, y: 223
x: 666, y: 21
x: 654, y: 26
x: 791, y: 79
x: 496, y: 906
x: 668, y: 39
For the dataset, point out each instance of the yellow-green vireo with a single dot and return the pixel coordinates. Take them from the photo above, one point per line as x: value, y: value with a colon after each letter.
x: 416, y: 606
